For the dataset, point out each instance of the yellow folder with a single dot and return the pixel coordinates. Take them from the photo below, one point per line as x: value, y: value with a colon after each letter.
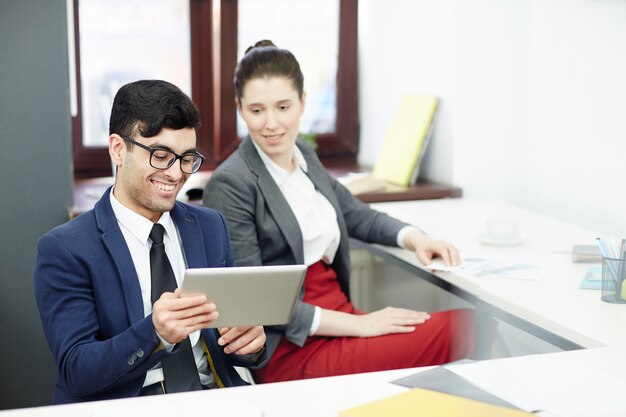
x: 421, y: 402
x: 406, y: 140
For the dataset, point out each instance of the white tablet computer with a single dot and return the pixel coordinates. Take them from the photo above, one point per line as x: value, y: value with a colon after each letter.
x: 248, y: 295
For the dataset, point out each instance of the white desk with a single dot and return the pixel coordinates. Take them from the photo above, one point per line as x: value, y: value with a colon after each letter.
x: 552, y: 308
x: 325, y: 397
x: 313, y: 397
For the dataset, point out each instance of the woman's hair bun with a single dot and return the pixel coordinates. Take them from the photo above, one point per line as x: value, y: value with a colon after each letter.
x: 265, y: 59
x: 259, y: 44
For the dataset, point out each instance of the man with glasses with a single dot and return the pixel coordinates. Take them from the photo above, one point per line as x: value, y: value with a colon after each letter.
x: 106, y: 282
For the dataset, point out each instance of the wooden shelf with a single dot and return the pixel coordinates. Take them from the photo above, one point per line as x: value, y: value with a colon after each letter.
x: 423, y: 190
x: 88, y: 191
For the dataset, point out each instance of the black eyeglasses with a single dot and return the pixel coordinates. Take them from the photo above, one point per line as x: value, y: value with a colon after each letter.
x: 161, y: 158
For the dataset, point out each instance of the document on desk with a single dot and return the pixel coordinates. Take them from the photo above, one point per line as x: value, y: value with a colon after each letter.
x: 422, y: 402
x: 500, y: 267
x: 443, y: 380
x: 543, y: 382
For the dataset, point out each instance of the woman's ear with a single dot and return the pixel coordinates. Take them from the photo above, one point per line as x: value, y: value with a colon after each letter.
x: 303, y: 102
x: 238, y: 104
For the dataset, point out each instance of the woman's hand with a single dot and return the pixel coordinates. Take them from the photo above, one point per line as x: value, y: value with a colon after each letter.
x: 386, y: 321
x: 426, y: 249
x: 390, y: 320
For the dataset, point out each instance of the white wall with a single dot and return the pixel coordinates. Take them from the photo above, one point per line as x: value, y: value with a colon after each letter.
x: 533, y: 98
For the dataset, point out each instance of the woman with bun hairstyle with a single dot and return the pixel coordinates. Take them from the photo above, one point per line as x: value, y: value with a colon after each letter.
x: 282, y: 207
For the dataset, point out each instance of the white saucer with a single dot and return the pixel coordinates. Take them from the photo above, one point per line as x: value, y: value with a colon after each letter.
x: 485, y: 239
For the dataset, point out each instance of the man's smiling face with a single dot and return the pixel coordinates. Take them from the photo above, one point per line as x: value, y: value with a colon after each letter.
x: 142, y: 188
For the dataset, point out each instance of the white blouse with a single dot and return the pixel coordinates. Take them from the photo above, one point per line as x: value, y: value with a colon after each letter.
x: 315, y: 215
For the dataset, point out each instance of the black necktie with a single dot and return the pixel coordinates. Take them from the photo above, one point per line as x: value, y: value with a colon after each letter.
x: 179, y: 369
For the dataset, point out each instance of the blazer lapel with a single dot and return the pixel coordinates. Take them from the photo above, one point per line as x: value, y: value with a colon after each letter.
x: 318, y: 176
x: 116, y: 245
x: 278, y: 206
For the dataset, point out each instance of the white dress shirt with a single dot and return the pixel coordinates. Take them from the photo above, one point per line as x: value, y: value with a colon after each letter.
x: 136, y: 231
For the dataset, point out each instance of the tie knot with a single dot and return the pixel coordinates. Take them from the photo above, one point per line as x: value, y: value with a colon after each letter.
x: 156, y: 234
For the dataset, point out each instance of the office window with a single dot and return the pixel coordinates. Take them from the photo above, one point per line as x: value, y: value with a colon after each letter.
x: 116, y: 47
x: 338, y: 146
x: 195, y: 44
x: 122, y: 41
x: 316, y: 50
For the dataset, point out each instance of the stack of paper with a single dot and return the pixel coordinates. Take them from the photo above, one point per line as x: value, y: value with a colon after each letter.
x: 360, y: 184
x: 586, y: 253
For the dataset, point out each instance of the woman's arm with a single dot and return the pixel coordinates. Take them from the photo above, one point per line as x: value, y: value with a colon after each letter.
x: 426, y: 248
x: 365, y: 223
x: 373, y: 226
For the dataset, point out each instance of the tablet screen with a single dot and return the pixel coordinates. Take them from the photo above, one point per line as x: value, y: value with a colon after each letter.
x: 248, y: 295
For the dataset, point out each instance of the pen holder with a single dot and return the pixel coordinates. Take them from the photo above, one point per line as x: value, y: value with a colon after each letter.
x: 614, y: 280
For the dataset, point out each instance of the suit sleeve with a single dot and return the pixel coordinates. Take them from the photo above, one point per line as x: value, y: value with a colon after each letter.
x: 236, y: 197
x: 87, y: 361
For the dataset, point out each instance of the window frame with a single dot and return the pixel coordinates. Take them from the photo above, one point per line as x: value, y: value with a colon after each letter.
x: 213, y: 92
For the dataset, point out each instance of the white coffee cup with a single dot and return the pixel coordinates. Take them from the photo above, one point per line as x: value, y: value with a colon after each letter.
x: 502, y: 228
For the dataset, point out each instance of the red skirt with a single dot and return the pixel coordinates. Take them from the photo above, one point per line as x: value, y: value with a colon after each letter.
x: 447, y: 336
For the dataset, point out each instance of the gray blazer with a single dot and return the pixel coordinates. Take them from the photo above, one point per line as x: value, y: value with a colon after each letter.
x: 264, y: 230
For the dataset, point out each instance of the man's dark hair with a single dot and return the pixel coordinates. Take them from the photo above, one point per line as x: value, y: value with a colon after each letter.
x: 149, y: 106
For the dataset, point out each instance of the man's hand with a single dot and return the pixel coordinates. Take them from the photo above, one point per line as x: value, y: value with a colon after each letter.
x: 175, y: 317
x: 242, y: 340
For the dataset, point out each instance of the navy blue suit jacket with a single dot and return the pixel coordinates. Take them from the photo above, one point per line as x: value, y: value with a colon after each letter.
x: 91, y: 309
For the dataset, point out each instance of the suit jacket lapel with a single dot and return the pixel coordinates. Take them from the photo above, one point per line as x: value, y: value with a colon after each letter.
x: 116, y: 245
x: 274, y: 199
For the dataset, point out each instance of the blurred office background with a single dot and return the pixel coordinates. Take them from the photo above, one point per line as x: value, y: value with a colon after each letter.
x: 533, y: 97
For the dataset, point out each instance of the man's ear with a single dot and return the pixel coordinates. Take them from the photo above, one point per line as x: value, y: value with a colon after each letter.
x: 117, y: 149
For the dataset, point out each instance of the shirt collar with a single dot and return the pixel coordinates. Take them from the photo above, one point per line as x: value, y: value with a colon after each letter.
x: 278, y: 173
x: 136, y: 224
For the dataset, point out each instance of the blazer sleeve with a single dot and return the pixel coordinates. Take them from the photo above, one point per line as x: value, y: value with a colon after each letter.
x: 88, y: 362
x: 361, y: 222
x: 235, y: 195
x: 364, y: 223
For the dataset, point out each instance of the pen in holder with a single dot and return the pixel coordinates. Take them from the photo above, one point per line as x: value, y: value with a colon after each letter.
x: 614, y: 280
